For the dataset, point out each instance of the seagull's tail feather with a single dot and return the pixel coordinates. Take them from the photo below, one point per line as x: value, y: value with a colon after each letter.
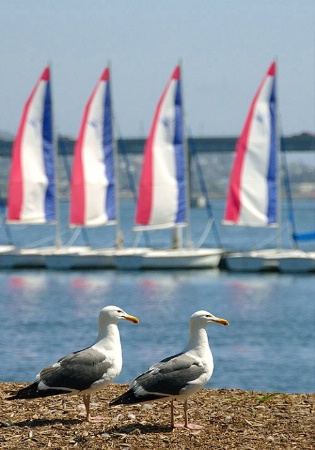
x: 130, y: 397
x: 127, y: 398
x: 29, y: 391
x: 32, y: 391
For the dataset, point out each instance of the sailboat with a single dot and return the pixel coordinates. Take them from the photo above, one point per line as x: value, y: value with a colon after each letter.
x: 31, y: 185
x: 93, y: 181
x: 253, y: 193
x: 163, y: 190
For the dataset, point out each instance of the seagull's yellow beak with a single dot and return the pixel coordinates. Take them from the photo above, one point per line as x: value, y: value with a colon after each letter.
x: 221, y: 321
x: 131, y: 318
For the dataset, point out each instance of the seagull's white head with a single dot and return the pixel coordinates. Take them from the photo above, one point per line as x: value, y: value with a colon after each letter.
x: 204, y: 318
x: 113, y: 314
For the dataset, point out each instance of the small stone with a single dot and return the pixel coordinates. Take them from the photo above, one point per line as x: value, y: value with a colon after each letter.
x: 270, y: 439
x: 136, y: 431
x: 119, y: 417
x: 147, y: 406
x: 131, y: 416
x: 105, y: 436
x: 228, y: 418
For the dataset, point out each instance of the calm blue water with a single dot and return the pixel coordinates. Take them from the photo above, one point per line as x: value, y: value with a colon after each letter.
x: 269, y: 345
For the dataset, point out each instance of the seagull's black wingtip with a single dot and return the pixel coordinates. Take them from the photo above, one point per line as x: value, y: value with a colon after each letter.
x: 128, y: 398
x: 27, y: 392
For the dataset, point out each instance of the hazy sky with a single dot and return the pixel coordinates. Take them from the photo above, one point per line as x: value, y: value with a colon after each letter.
x: 224, y: 46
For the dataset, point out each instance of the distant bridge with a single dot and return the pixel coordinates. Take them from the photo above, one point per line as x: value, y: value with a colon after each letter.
x: 300, y: 143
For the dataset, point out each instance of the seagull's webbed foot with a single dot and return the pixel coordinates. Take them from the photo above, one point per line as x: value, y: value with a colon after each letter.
x: 189, y: 426
x: 95, y: 419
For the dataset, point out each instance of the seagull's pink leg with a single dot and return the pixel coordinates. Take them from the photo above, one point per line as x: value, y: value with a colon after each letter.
x: 86, y: 401
x: 190, y: 426
x: 172, y: 413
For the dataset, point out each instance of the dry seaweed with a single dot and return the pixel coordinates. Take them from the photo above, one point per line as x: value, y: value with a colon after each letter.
x: 232, y: 419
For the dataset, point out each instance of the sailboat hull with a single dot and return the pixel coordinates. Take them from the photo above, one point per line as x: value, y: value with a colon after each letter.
x: 30, y: 257
x: 72, y: 258
x: 297, y: 262
x: 182, y: 259
x: 252, y: 261
x: 284, y: 261
x: 176, y: 259
x: 7, y: 256
x: 24, y: 258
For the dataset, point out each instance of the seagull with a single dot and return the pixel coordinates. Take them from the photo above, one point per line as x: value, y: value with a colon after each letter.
x: 85, y: 371
x: 180, y: 375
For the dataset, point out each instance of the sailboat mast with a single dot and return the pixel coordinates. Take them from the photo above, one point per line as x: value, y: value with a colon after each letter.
x: 118, y: 231
x: 56, y: 167
x: 278, y: 162
x: 187, y: 174
x: 177, y: 232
